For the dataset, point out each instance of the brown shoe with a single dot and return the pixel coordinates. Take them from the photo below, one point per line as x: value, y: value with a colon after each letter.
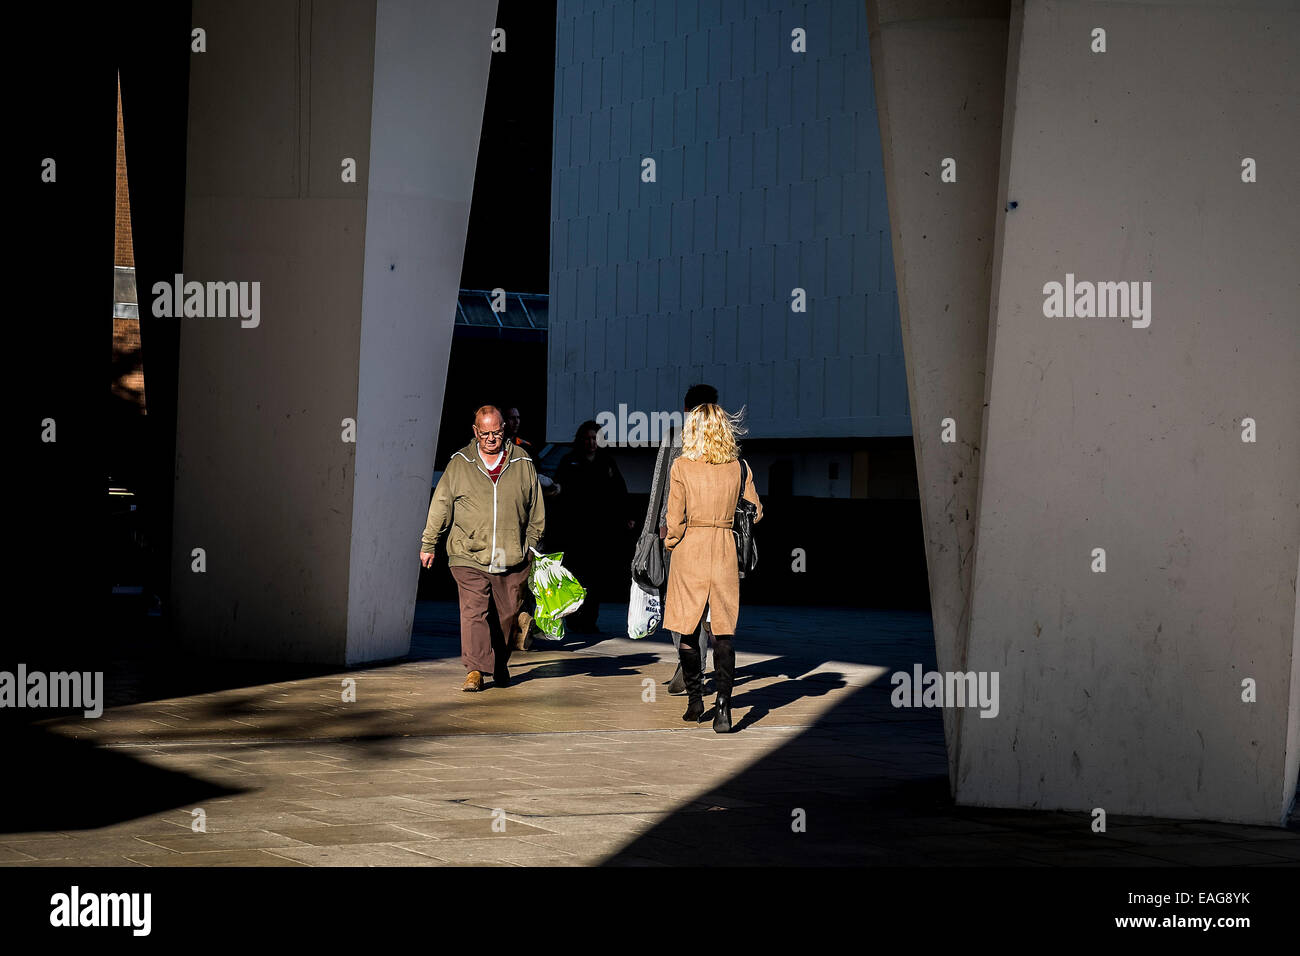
x: 524, y: 636
x: 473, y: 682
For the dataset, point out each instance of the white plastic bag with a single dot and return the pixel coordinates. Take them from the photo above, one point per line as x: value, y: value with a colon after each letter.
x: 645, y: 612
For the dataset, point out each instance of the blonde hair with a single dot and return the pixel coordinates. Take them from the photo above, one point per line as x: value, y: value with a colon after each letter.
x: 710, y: 434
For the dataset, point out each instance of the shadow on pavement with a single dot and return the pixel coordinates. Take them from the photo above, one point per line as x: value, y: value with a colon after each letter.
x: 77, y: 785
x: 846, y: 791
x: 867, y: 785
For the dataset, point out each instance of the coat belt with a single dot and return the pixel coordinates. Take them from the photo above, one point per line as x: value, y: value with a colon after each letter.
x: 701, y: 523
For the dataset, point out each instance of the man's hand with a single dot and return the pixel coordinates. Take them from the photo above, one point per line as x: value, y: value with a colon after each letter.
x: 426, y: 559
x: 663, y: 531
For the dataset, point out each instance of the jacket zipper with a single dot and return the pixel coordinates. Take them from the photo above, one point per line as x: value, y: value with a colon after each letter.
x: 506, y: 464
x: 492, y: 564
x: 492, y: 561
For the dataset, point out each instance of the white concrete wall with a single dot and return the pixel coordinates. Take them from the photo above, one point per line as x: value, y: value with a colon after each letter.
x: 431, y: 71
x: 1122, y: 690
x: 312, y: 542
x: 263, y: 482
x: 939, y: 69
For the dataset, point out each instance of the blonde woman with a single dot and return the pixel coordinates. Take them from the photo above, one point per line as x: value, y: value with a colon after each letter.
x: 703, y: 578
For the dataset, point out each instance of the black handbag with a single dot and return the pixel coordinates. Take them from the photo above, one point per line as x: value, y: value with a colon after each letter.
x: 743, y: 527
x: 648, y: 566
x: 648, y: 561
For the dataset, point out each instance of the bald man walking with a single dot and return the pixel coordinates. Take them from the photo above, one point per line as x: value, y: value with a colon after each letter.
x: 491, y: 501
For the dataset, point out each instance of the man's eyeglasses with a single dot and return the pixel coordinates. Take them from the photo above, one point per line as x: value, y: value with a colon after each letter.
x: 489, y: 435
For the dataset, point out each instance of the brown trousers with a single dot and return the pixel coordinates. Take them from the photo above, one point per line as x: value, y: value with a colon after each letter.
x: 478, y: 650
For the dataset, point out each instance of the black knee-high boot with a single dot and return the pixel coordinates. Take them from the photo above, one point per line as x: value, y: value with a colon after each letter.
x: 688, y: 652
x: 724, y: 672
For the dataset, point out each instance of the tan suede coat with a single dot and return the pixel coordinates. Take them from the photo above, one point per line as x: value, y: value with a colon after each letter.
x: 701, y: 509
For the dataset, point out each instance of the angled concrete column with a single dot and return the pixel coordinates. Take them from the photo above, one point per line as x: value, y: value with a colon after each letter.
x: 311, y: 541
x: 939, y: 68
x: 1123, y: 688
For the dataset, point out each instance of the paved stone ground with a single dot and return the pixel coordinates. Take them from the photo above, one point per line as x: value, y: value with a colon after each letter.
x: 571, y: 765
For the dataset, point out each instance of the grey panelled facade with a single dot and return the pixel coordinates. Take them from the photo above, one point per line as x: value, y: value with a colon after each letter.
x: 768, y: 177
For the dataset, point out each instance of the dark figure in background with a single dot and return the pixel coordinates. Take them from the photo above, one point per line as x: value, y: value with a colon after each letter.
x: 593, y: 518
x: 512, y: 421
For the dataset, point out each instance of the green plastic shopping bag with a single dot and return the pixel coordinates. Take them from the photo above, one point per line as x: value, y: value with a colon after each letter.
x: 557, y: 591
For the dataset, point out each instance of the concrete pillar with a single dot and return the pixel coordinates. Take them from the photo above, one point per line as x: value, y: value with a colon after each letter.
x: 1123, y: 689
x: 939, y: 68
x: 311, y: 542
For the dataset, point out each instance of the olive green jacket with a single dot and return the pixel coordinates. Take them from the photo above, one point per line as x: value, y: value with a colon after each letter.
x: 492, y: 525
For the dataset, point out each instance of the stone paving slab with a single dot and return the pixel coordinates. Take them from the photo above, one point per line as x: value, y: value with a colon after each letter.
x: 571, y: 765
x: 357, y: 854
x: 213, y: 858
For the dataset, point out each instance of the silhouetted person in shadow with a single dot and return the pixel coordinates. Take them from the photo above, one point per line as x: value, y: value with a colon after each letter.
x: 592, y: 508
